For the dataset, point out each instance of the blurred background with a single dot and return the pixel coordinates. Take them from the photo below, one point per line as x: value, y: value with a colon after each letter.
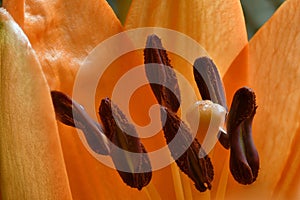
x: 256, y: 12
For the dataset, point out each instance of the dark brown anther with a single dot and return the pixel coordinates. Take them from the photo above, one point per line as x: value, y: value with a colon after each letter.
x: 244, y: 159
x: 72, y: 114
x: 134, y: 169
x: 161, y: 76
x: 198, y: 168
x: 208, y: 81
x: 211, y: 88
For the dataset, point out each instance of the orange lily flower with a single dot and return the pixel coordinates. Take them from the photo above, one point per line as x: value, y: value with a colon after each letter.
x: 40, y: 161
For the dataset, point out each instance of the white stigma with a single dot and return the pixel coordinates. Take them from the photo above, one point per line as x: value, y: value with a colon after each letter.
x: 209, y: 116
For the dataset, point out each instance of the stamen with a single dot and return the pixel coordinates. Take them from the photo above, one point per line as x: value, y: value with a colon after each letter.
x: 73, y: 114
x: 117, y: 129
x: 211, y: 88
x: 200, y: 170
x: 161, y: 76
x: 222, y: 129
x: 209, y: 82
x: 130, y: 155
x: 244, y: 159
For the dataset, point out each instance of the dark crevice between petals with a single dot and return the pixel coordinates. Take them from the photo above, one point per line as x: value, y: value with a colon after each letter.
x: 244, y: 159
x: 211, y: 88
x: 135, y: 170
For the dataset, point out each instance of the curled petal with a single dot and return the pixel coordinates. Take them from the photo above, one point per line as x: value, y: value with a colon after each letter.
x: 32, y: 164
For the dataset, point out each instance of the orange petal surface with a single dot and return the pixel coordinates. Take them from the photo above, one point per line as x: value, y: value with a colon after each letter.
x: 32, y: 165
x: 63, y: 33
x: 275, y: 77
x: 218, y: 26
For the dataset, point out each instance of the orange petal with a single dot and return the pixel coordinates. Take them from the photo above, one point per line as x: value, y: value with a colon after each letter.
x: 275, y: 76
x: 237, y: 74
x: 288, y: 185
x: 63, y: 33
x: 16, y: 9
x: 218, y: 26
x: 32, y: 165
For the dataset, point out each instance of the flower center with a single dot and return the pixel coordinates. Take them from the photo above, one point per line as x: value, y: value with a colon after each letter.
x: 118, y: 138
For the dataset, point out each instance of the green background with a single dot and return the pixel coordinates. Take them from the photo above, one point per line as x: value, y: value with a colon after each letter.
x: 256, y: 12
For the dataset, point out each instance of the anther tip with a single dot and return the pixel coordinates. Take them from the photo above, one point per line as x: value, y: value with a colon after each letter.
x: 153, y: 41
